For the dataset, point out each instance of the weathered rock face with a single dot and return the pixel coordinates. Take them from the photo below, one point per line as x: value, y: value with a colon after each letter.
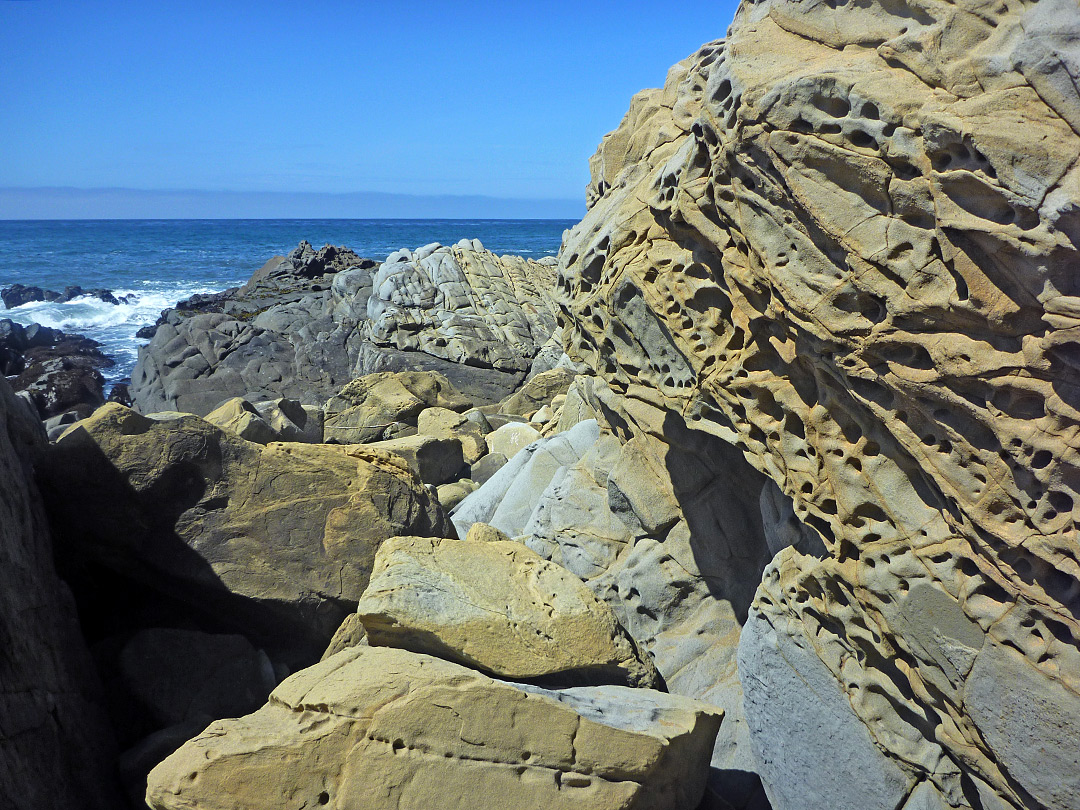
x: 59, y: 372
x: 277, y: 539
x: 499, y: 607
x: 56, y: 748
x: 384, y: 728
x: 845, y: 240
x: 307, y: 324
x: 370, y: 407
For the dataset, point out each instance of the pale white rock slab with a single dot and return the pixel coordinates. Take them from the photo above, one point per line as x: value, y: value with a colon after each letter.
x: 814, y: 753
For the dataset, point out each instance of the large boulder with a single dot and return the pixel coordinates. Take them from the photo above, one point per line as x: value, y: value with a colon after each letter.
x: 845, y: 241
x: 56, y: 747
x: 499, y: 607
x: 307, y: 324
x: 384, y: 728
x: 278, y: 540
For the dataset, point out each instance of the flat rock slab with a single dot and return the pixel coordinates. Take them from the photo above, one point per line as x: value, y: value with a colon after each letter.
x: 386, y: 729
x: 499, y: 607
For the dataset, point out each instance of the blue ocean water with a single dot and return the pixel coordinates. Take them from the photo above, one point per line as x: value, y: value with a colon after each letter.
x: 164, y: 261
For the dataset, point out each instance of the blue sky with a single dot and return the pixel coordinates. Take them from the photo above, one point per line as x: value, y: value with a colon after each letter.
x: 501, y: 100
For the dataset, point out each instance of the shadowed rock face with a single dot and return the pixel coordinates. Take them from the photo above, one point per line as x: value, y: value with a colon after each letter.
x: 278, y: 540
x: 56, y: 748
x: 844, y: 239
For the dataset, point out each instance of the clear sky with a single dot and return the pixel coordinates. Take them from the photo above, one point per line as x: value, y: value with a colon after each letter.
x: 498, y: 99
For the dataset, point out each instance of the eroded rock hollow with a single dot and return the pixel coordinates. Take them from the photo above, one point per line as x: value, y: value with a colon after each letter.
x: 844, y: 239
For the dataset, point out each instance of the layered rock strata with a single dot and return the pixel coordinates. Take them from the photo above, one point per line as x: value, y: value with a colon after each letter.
x: 844, y: 239
x: 308, y: 323
x: 385, y: 728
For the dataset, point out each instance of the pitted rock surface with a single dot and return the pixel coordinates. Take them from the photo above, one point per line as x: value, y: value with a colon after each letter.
x: 845, y: 239
x: 307, y: 324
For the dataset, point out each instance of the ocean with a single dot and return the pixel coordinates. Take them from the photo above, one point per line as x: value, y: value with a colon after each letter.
x: 161, y: 262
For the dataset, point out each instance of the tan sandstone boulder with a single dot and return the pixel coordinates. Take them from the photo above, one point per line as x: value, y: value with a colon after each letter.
x: 240, y: 417
x: 435, y: 461
x: 387, y: 729
x: 499, y: 607
x: 278, y: 539
x: 443, y: 423
x: 365, y: 408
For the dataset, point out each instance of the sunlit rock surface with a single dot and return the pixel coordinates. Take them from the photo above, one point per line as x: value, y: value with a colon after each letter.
x: 844, y: 240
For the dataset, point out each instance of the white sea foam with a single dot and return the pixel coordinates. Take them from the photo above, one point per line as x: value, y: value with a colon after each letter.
x: 112, y: 325
x: 86, y: 312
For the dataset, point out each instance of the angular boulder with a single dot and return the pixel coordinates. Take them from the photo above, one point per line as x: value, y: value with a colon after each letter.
x: 279, y: 540
x: 443, y: 423
x: 383, y: 728
x: 499, y: 607
x: 435, y: 461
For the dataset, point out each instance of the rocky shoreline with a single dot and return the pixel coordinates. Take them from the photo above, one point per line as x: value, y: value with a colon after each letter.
x: 764, y: 495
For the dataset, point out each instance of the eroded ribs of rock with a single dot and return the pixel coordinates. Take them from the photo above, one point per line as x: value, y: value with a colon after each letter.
x: 306, y: 325
x: 844, y: 239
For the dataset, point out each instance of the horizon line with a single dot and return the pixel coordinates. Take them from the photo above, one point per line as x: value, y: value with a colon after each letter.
x: 358, y: 192
x: 51, y: 203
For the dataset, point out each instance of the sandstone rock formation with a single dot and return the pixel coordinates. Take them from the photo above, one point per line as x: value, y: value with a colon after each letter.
x: 499, y: 607
x: 384, y: 728
x: 844, y: 239
x: 56, y: 748
x: 381, y: 405
x: 278, y: 539
x: 666, y: 528
x: 307, y: 324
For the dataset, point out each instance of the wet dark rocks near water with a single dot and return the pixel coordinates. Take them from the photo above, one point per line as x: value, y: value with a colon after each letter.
x: 58, y: 372
x: 18, y: 294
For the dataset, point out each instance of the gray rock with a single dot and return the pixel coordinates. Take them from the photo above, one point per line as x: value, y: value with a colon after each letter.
x: 571, y: 522
x: 1031, y: 723
x: 305, y: 325
x: 825, y: 760
x: 508, y: 498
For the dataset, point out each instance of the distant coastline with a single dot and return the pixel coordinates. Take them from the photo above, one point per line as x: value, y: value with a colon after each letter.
x: 64, y: 203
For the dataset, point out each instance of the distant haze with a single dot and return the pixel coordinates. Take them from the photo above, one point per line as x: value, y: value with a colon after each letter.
x: 123, y: 203
x: 324, y: 109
